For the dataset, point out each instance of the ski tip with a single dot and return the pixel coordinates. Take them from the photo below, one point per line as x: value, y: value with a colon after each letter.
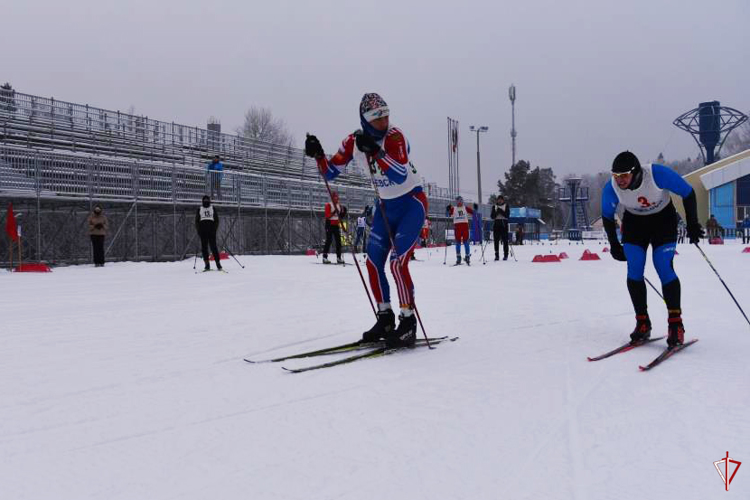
x: 589, y: 358
x: 289, y: 370
x: 642, y: 368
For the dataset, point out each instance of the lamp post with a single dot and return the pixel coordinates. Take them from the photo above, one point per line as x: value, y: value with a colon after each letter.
x: 479, y: 170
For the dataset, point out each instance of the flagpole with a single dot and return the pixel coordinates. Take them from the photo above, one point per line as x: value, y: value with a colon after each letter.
x: 10, y: 247
x: 20, y: 255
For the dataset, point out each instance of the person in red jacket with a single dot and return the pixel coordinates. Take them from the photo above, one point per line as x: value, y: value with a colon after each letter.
x: 333, y: 228
x: 460, y: 214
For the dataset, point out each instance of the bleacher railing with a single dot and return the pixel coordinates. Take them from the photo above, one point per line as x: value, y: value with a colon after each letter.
x: 56, y: 174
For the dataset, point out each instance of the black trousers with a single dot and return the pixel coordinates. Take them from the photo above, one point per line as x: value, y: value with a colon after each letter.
x: 332, y: 232
x: 97, y: 242
x: 500, y: 232
x: 209, y: 238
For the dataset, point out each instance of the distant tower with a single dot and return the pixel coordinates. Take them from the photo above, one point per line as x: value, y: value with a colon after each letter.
x: 512, y: 95
x: 710, y: 124
x: 578, y: 197
x: 214, y: 134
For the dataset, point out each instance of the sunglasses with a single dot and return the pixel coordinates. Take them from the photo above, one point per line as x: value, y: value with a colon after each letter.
x: 617, y: 175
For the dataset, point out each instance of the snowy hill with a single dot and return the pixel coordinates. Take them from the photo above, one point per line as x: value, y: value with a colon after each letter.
x: 127, y: 382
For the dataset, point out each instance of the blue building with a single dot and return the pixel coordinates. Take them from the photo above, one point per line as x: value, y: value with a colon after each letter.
x: 722, y: 189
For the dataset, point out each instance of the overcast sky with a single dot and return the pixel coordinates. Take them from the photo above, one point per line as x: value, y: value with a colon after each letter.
x: 593, y: 77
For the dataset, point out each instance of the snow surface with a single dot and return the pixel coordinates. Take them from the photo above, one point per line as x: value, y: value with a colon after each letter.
x: 127, y: 382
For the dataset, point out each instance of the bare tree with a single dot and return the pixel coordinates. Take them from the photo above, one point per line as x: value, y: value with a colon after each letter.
x: 260, y: 124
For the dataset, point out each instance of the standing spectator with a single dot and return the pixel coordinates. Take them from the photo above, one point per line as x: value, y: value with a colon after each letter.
x: 681, y: 230
x: 712, y: 227
x: 519, y: 234
x: 361, y: 232
x: 333, y: 230
x: 207, y: 223
x: 476, y: 226
x: 500, y: 213
x: 425, y: 233
x: 460, y: 214
x: 214, y: 174
x: 746, y: 230
x: 98, y: 226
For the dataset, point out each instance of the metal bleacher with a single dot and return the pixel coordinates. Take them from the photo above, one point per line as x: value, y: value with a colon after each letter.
x: 53, y: 148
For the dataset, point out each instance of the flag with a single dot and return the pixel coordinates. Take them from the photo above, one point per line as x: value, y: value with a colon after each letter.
x: 10, y: 224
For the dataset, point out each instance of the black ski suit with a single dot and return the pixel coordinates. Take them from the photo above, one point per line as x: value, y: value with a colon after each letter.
x: 207, y: 223
x: 499, y: 215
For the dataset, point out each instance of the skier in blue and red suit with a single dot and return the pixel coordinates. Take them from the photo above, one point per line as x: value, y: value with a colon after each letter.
x: 384, y: 150
x: 650, y: 219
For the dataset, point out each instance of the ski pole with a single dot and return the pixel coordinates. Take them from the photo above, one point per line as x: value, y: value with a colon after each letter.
x: 393, y: 244
x: 235, y: 258
x: 655, y: 289
x: 354, y: 255
x: 445, y: 253
x: 195, y: 260
x: 722, y: 281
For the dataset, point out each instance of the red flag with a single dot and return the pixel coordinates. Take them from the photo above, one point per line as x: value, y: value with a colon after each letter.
x: 10, y: 224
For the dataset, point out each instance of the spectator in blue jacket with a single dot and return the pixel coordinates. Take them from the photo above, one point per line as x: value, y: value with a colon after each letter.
x: 214, y: 174
x: 476, y: 226
x: 746, y: 230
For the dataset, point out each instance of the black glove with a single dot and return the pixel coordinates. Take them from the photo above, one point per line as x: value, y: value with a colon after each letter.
x: 618, y: 253
x: 313, y: 148
x: 366, y: 143
x: 695, y: 233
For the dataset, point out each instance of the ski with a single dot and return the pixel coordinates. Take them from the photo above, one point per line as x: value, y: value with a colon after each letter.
x: 352, y: 346
x: 373, y: 353
x: 624, y: 348
x: 667, y: 353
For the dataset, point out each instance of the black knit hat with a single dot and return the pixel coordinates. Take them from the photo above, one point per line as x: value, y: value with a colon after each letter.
x: 626, y: 162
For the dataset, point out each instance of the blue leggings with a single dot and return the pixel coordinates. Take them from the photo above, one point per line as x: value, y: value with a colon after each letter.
x: 466, y: 247
x: 405, y: 218
x: 662, y: 257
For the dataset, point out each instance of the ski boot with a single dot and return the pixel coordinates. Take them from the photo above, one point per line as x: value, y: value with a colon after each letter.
x: 642, y: 331
x: 325, y: 260
x: 458, y: 260
x: 406, y: 333
x: 676, y: 335
x: 497, y: 257
x: 384, y: 325
x: 207, y: 266
x: 468, y: 260
x: 339, y: 260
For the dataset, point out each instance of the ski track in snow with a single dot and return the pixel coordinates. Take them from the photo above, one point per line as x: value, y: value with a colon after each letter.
x: 127, y: 382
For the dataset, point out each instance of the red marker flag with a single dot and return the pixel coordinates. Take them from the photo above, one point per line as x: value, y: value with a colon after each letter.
x: 10, y: 224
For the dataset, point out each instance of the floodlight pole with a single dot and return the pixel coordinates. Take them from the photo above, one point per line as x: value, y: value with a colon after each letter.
x: 479, y: 169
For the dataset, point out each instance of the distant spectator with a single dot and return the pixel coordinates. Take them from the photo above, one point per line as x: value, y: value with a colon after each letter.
x: 98, y: 226
x: 361, y: 232
x: 746, y: 230
x: 476, y: 226
x: 681, y: 231
x: 712, y: 227
x: 500, y: 213
x: 214, y: 175
x: 519, y: 234
x: 333, y: 230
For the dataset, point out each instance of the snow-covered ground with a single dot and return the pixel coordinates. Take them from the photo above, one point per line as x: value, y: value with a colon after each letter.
x: 127, y: 382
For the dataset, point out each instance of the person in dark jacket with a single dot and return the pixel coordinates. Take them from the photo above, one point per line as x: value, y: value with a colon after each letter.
x: 98, y: 226
x: 333, y: 212
x: 746, y: 230
x: 500, y: 213
x: 207, y: 223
